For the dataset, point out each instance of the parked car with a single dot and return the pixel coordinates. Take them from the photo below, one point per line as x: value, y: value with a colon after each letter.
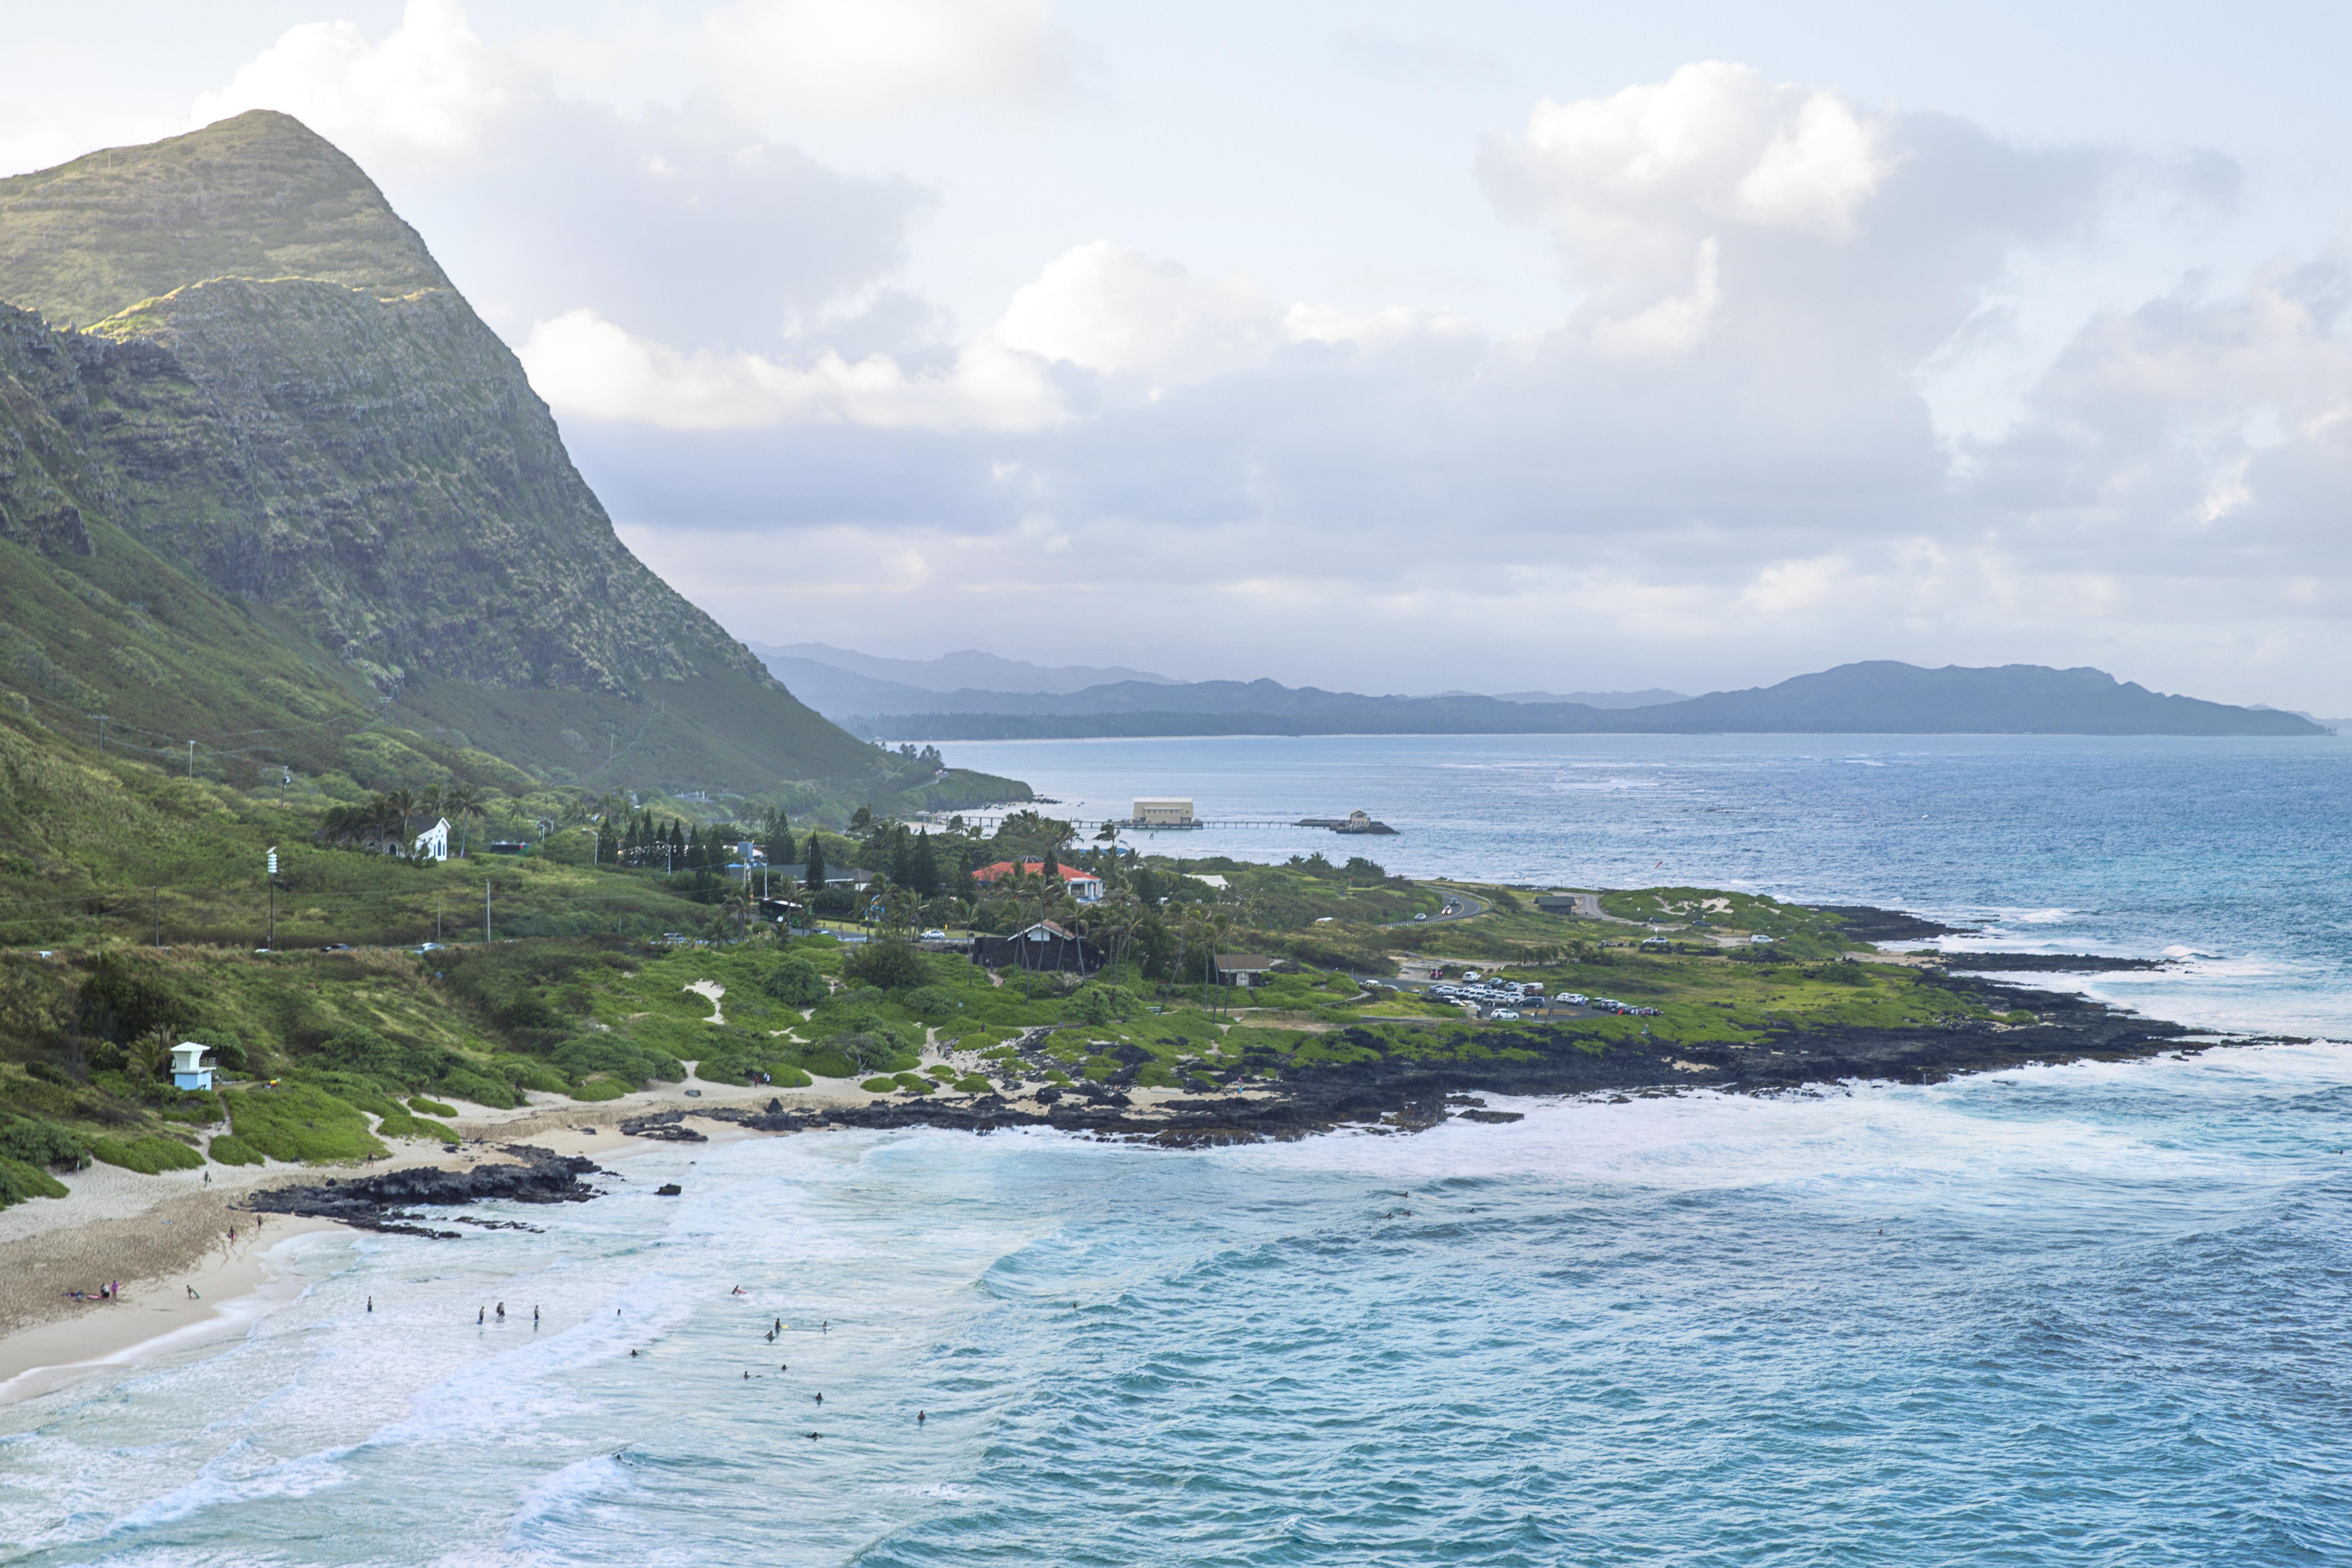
x: 1506, y: 1014
x: 935, y: 935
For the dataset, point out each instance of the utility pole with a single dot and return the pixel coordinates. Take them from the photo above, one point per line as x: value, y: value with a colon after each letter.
x: 159, y: 917
x: 273, y: 897
x: 437, y: 899
x: 192, y: 759
x: 486, y: 912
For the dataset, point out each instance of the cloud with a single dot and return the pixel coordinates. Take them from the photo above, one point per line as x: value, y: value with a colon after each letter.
x: 585, y: 365
x: 881, y: 56
x: 679, y: 223
x: 432, y: 87
x: 1121, y: 312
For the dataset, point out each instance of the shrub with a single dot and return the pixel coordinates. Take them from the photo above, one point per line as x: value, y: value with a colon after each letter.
x: 881, y: 1049
x: 939, y: 1072
x: 1155, y: 1075
x: 228, y: 1149
x: 589, y: 1054
x: 146, y: 1155
x: 33, y: 1142
x: 975, y: 1084
x: 466, y: 1084
x: 529, y: 1072
x: 931, y: 1004
x: 596, y: 1088
x: 795, y: 983
x: 392, y: 1062
x: 430, y: 1106
x: 1100, y: 1004
x: 21, y: 1180
x: 415, y: 1127
x: 878, y: 1085
x: 298, y: 1122
x: 827, y: 1062
x: 914, y: 1083
x: 889, y: 964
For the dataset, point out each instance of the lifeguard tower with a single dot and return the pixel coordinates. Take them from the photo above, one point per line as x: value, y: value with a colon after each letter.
x: 189, y: 1068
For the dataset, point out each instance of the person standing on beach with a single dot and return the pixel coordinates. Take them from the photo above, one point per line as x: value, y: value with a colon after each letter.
x: 479, y: 1318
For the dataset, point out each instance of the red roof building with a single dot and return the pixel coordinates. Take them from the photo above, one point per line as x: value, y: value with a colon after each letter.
x: 1083, y: 886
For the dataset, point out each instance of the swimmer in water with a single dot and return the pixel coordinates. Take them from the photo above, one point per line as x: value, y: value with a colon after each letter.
x: 371, y: 1303
x: 479, y: 1318
x: 920, y: 1417
x: 820, y: 1399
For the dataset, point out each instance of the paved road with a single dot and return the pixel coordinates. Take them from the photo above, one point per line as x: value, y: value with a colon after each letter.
x: 1457, y: 907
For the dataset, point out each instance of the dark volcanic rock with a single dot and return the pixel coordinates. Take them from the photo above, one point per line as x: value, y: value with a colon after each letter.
x: 1864, y: 923
x: 2050, y: 963
x: 373, y: 1203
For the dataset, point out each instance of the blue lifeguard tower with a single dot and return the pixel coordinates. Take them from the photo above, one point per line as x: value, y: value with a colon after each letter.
x: 189, y: 1068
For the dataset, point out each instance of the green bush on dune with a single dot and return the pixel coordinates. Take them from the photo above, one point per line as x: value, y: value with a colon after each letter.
x: 31, y: 1140
x: 430, y: 1106
x: 146, y: 1155
x: 20, y: 1181
x: 529, y: 1072
x: 795, y: 982
x: 228, y: 1149
x: 598, y: 1088
x: 636, y: 1064
x: 298, y: 1122
x: 464, y: 1083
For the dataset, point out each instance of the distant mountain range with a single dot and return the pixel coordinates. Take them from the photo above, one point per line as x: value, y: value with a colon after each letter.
x: 950, y: 671
x: 1876, y: 697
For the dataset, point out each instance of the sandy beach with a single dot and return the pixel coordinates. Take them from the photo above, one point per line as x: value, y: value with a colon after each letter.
x: 166, y: 1234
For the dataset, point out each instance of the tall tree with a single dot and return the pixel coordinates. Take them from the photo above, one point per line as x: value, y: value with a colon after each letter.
x: 923, y: 872
x: 816, y: 863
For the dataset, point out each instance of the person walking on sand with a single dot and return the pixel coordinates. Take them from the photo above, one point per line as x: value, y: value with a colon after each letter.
x: 534, y: 1314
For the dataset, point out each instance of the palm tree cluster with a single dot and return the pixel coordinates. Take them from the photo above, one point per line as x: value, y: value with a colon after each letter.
x: 383, y: 823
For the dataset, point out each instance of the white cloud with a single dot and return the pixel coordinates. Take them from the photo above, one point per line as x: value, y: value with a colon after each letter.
x: 583, y: 364
x: 431, y: 87
x: 869, y: 57
x: 1121, y: 312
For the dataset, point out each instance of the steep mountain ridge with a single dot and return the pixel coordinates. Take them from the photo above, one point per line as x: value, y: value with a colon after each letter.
x: 258, y: 195
x: 352, y: 455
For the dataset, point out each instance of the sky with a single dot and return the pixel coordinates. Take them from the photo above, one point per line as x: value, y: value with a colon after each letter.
x: 1376, y: 346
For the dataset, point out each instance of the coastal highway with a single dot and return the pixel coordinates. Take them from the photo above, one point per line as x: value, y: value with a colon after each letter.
x: 1458, y: 906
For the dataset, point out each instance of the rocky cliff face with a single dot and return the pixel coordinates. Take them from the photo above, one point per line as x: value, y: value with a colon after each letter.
x: 276, y: 389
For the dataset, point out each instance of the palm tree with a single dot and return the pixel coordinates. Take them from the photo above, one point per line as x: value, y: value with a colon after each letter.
x: 742, y: 905
x: 459, y: 802
x: 152, y: 1052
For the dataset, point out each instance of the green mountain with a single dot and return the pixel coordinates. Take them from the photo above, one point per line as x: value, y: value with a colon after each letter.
x: 252, y: 369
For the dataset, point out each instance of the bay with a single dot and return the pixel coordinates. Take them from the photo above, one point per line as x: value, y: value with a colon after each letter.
x: 2092, y: 1313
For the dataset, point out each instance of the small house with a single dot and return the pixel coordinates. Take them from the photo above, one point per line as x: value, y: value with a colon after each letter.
x: 1045, y: 945
x: 189, y: 1068
x: 434, y: 841
x: 1244, y: 969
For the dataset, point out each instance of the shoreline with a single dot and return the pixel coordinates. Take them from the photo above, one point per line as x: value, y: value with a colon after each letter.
x: 163, y: 1234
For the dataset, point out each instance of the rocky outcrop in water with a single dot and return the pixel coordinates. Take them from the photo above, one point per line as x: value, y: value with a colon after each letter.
x: 382, y: 1203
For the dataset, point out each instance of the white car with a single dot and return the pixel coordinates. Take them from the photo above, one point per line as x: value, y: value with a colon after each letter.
x: 935, y: 936
x: 1506, y: 1014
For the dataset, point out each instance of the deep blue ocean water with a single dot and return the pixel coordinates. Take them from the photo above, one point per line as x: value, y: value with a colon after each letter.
x: 2095, y: 1314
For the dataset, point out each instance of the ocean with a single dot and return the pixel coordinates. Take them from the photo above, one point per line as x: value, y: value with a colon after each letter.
x: 2084, y: 1314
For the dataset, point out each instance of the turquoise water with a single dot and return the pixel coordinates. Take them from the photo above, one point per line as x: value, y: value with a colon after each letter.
x: 2090, y: 1314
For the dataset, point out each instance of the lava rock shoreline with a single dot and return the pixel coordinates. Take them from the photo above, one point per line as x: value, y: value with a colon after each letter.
x: 382, y: 1203
x: 1403, y: 1095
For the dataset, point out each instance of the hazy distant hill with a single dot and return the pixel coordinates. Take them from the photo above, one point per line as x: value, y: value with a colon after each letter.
x: 952, y: 671
x: 1879, y: 696
x: 277, y: 390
